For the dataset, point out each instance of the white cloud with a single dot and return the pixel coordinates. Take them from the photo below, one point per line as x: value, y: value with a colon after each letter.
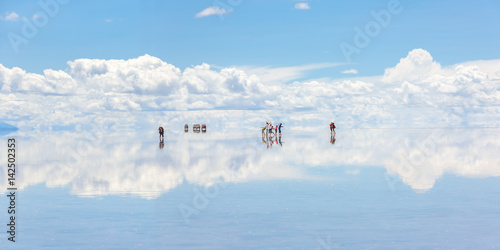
x: 36, y: 16
x: 418, y: 65
x: 302, y: 6
x: 350, y: 71
x: 285, y: 74
x: 108, y: 20
x: 10, y: 16
x: 213, y: 10
x: 459, y: 95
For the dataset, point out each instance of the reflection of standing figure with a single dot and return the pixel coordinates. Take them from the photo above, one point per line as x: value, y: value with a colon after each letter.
x: 280, y: 141
x: 332, y: 139
x: 161, y: 144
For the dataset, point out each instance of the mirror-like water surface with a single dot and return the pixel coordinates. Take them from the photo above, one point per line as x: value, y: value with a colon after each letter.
x: 377, y: 188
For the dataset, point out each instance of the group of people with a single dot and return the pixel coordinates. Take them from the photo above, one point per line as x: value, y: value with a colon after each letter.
x: 269, y: 129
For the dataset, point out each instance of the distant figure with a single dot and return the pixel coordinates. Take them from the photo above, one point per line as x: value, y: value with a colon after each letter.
x: 332, y: 129
x: 160, y: 130
x: 279, y: 127
x: 276, y: 131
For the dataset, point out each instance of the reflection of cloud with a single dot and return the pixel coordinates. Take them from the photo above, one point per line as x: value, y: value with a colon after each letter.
x: 131, y: 166
x: 126, y: 164
x: 422, y: 160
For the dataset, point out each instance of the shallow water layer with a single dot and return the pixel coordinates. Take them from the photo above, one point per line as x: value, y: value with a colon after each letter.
x: 377, y: 188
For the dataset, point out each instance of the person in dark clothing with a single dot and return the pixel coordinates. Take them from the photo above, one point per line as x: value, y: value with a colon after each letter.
x: 160, y: 130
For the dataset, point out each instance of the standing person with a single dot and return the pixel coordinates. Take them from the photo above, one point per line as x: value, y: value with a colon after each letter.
x: 276, y: 131
x: 332, y: 128
x: 160, y: 130
x: 279, y: 127
x: 267, y: 128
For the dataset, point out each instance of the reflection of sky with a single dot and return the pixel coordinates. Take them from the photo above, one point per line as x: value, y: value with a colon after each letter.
x: 92, y: 164
x: 307, y: 193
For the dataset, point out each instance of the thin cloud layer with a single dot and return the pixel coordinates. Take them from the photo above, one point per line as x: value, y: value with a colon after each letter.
x: 213, y: 10
x: 302, y: 6
x: 350, y: 71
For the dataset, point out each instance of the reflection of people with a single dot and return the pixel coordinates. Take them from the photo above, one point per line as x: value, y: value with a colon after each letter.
x: 332, y: 129
x: 161, y: 144
x: 160, y: 130
x: 280, y: 141
x: 332, y: 139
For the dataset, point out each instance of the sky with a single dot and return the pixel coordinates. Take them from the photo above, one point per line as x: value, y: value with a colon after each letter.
x: 278, y: 33
x: 361, y: 63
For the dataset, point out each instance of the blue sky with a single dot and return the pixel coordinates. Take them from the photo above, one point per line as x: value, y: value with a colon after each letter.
x: 255, y: 33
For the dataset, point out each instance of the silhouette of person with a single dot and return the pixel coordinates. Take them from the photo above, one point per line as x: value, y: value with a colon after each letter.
x: 160, y: 130
x: 332, y: 129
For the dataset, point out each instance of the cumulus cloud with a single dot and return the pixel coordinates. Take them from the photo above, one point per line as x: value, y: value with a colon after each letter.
x: 10, y: 16
x: 350, y: 71
x: 418, y: 65
x: 213, y: 10
x: 417, y: 92
x: 302, y: 6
